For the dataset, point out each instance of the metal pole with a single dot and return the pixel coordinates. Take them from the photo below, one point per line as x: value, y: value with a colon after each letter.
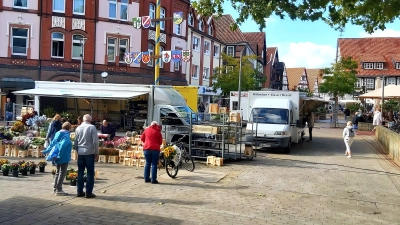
x: 383, y: 96
x: 157, y: 50
x: 82, y: 54
x: 240, y: 97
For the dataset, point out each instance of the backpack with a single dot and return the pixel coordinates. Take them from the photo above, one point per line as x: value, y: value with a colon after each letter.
x: 351, y: 132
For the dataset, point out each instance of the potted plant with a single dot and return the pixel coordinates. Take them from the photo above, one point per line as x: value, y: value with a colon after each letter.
x: 54, y: 171
x: 38, y: 142
x: 169, y: 152
x: 5, y: 168
x: 3, y: 161
x: 42, y: 165
x: 32, y: 167
x: 14, y: 167
x: 72, y: 178
x: 69, y: 170
x: 22, y: 143
x: 23, y: 168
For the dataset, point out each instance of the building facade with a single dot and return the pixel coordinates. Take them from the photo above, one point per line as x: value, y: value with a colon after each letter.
x: 275, y: 71
x: 377, y: 58
x: 206, y: 54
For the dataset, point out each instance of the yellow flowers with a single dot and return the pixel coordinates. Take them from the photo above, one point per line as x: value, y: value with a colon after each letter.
x: 169, y: 152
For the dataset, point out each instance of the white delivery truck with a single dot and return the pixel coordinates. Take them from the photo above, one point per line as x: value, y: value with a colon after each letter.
x: 276, y: 119
x: 244, y: 104
x: 131, y: 103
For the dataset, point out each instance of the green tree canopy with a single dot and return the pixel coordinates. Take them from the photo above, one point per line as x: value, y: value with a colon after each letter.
x: 340, y: 78
x: 227, y: 76
x: 370, y: 14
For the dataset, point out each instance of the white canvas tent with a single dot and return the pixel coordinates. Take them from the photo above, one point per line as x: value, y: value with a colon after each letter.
x: 390, y: 92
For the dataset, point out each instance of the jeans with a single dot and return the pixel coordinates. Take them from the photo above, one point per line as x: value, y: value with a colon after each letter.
x: 60, y: 175
x: 310, y: 133
x: 85, y: 161
x: 152, y: 157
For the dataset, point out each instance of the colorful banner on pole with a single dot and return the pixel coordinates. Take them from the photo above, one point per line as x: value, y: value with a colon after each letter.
x: 178, y: 17
x: 145, y: 21
x: 166, y: 56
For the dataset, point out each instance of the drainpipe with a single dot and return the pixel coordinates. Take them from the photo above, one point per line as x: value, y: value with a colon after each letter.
x: 96, y: 15
x: 40, y: 41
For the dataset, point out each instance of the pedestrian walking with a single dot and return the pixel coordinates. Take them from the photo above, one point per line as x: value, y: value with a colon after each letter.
x: 355, y: 121
x: 87, y: 145
x: 152, y: 139
x: 346, y: 113
x: 377, y: 120
x: 310, y: 124
x: 201, y: 109
x: 9, y: 110
x: 62, y: 141
x: 54, y: 127
x: 348, y: 136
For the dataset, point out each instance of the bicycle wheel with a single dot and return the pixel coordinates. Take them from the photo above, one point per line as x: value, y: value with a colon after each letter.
x: 171, y: 168
x: 188, y: 163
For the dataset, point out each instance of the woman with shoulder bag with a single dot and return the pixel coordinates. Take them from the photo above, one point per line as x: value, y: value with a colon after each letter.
x: 60, y: 153
x: 348, y: 136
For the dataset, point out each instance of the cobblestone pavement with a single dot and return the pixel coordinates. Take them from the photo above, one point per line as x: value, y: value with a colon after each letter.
x: 315, y: 184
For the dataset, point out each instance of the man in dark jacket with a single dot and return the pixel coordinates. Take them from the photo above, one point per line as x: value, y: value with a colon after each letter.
x: 108, y: 128
x: 9, y: 110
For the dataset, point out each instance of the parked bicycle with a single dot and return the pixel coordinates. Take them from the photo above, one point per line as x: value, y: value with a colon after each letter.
x: 181, y: 159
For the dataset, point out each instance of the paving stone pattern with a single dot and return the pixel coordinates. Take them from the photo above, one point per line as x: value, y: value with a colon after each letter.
x: 315, y: 184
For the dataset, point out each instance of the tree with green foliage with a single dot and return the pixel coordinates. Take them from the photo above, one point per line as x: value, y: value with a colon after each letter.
x: 370, y: 14
x: 339, y: 80
x: 227, y: 76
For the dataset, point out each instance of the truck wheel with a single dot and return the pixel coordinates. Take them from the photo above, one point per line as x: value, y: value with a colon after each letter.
x: 287, y: 149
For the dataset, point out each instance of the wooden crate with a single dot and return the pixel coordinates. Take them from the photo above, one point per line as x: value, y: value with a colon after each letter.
x: 213, y: 108
x: 248, y: 151
x: 222, y: 110
x: 234, y: 117
x: 201, y: 129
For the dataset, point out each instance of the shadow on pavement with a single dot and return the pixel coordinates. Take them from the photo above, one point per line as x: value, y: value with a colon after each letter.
x: 27, y: 210
x: 146, y: 200
x: 212, y: 186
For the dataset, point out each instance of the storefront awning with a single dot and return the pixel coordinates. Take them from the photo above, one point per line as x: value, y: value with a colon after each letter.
x: 17, y: 82
x: 89, y: 94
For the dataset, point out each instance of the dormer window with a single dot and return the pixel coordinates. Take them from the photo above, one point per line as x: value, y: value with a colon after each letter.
x: 190, y: 19
x: 398, y: 66
x: 210, y: 29
x: 378, y: 66
x: 368, y: 66
x: 201, y: 25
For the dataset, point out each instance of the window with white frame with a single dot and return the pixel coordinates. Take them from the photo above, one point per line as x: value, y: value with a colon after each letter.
x: 162, y: 15
x: 161, y: 61
x: 206, y: 47
x: 368, y: 66
x: 398, y: 66
x: 57, y: 45
x: 230, y: 51
x: 398, y: 81
x: 112, y: 9
x: 59, y: 6
x: 369, y: 83
x: 123, y: 48
x: 124, y: 9
x: 206, y: 73
x: 216, y: 51
x: 177, y: 66
x: 190, y: 19
x: 152, y: 13
x: 358, y: 83
x: 150, y: 49
x: 200, y: 25
x: 391, y: 80
x: 21, y: 4
x: 76, y: 46
x: 79, y: 7
x: 178, y: 29
x: 19, y: 41
x: 378, y: 66
x: 195, y: 71
x: 111, y: 42
x: 196, y: 46
x: 210, y: 29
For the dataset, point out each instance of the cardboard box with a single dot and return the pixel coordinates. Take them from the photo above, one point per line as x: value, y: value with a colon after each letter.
x: 213, y: 108
x: 234, y: 117
x: 205, y: 129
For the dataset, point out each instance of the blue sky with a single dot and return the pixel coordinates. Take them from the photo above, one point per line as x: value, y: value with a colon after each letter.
x: 307, y: 44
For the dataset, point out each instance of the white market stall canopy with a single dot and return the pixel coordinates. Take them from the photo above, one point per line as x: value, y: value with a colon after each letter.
x: 390, y: 91
x: 86, y: 90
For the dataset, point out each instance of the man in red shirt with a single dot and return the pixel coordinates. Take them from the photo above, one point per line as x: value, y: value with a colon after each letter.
x: 152, y: 139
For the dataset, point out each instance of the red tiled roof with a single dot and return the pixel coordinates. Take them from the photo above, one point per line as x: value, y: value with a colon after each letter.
x: 293, y: 76
x: 372, y: 58
x: 257, y: 38
x: 270, y: 51
x: 312, y: 76
x: 358, y: 48
x: 396, y: 58
x: 225, y: 34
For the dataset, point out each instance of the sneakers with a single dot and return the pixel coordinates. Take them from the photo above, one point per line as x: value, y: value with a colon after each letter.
x: 349, y: 156
x: 61, y: 193
x: 80, y: 194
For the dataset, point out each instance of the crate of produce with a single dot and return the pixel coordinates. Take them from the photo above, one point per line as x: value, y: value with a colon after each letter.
x: 201, y: 129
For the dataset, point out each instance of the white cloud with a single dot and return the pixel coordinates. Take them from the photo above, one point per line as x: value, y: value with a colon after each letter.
x: 307, y: 54
x: 382, y: 33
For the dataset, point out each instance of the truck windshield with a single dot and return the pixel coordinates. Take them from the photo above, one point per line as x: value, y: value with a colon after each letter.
x: 269, y: 116
x: 185, y: 112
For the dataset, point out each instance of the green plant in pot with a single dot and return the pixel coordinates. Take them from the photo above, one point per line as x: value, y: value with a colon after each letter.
x: 14, y: 167
x: 42, y: 165
x: 31, y: 167
x: 5, y: 168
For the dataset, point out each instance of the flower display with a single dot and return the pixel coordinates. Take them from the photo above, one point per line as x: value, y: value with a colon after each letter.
x: 5, y: 167
x: 38, y: 141
x: 169, y: 152
x: 22, y: 143
x: 121, y: 144
x: 8, y: 142
x: 14, y: 166
x: 3, y: 161
x: 108, y: 144
x: 42, y: 163
x: 72, y: 176
x: 31, y: 165
x: 18, y: 127
x: 23, y: 166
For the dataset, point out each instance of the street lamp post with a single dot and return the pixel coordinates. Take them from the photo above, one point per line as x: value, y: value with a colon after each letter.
x: 104, y: 76
x: 383, y: 96
x: 82, y: 40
